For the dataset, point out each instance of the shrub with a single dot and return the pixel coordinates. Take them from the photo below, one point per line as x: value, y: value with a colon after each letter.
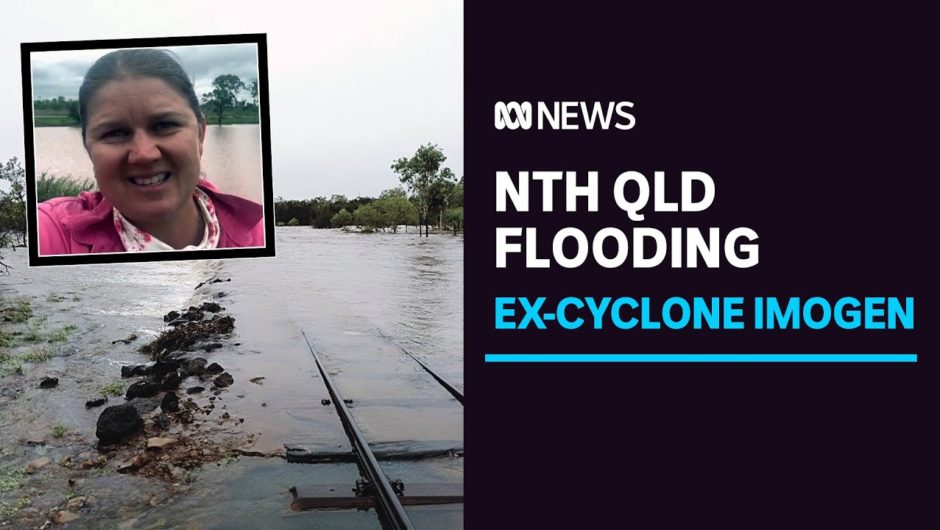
x: 49, y: 186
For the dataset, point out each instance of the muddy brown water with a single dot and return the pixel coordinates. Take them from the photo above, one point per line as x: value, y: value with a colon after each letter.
x: 231, y: 160
x: 360, y: 298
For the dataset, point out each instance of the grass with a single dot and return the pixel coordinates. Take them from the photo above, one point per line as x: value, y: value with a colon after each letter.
x: 52, y: 298
x: 62, y: 335
x: 37, y: 356
x: 49, y: 186
x: 11, y: 481
x: 12, y: 365
x: 115, y: 388
x: 34, y: 333
x: 55, y: 120
x: 20, y: 312
x: 230, y: 117
x: 62, y: 119
x: 7, y: 510
x: 59, y: 430
x: 7, y: 340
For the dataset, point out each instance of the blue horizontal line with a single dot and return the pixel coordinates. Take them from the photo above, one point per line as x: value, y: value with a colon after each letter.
x: 701, y: 357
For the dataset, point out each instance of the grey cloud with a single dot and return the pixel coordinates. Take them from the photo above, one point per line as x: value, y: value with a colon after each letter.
x: 204, y: 63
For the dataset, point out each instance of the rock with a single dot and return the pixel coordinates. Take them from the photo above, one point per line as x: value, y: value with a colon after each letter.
x: 38, y: 438
x: 214, y: 368
x: 164, y: 367
x: 211, y: 307
x: 161, y: 421
x: 171, y: 316
x: 161, y: 443
x: 49, y: 382
x: 196, y: 366
x: 226, y: 415
x: 92, y: 403
x: 94, y: 462
x: 63, y: 517
x: 75, y: 503
x: 37, y: 464
x: 135, y: 370
x: 130, y: 338
x: 142, y: 389
x: 171, y: 381
x: 183, y: 337
x: 224, y: 380
x: 257, y: 380
x: 158, y: 368
x: 195, y: 390
x: 193, y: 315
x: 170, y: 403
x: 132, y: 464
x: 117, y: 422
x: 212, y: 346
x: 325, y: 401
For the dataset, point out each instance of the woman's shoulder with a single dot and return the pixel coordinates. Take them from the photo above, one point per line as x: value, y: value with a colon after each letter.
x: 242, y: 220
x: 59, y: 207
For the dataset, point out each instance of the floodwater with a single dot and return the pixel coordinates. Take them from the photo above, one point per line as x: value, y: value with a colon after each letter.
x: 360, y: 299
x: 231, y: 160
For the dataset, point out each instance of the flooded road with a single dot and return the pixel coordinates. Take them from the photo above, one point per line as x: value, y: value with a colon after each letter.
x: 360, y: 298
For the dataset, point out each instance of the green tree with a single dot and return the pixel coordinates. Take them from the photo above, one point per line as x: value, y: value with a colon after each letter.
x: 224, y: 95
x: 370, y: 217
x: 253, y: 91
x: 419, y: 173
x: 456, y: 196
x: 453, y: 217
x: 441, y: 190
x: 342, y: 218
x: 12, y: 206
x: 397, y: 210
x: 74, y: 111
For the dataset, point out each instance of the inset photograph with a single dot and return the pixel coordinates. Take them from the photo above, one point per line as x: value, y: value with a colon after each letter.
x: 147, y: 149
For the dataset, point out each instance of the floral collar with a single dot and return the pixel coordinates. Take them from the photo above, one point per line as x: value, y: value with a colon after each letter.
x: 138, y: 240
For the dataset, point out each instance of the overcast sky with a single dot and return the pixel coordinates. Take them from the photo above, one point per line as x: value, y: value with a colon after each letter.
x: 353, y: 85
x: 59, y: 73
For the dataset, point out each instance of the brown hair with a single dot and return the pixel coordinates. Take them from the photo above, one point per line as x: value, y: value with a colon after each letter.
x: 141, y: 62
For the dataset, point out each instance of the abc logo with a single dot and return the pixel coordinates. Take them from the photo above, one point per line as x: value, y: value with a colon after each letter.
x: 513, y: 115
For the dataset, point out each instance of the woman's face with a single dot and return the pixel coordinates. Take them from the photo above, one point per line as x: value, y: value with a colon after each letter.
x: 145, y: 144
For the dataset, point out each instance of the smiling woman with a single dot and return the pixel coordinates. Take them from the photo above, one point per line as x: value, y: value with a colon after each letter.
x: 144, y: 133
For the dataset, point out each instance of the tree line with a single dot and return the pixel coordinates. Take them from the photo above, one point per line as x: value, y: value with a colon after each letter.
x: 231, y: 100
x: 387, y: 212
x: 436, y: 197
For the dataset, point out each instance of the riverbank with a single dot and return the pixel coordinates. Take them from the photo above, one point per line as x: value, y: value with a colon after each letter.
x: 57, y: 376
x: 64, y: 120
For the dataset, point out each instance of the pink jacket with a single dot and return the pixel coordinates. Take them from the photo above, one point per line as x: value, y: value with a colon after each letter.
x: 84, y: 224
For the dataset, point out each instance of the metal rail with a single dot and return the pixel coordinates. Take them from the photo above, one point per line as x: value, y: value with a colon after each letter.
x: 390, y: 509
x: 447, y: 386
